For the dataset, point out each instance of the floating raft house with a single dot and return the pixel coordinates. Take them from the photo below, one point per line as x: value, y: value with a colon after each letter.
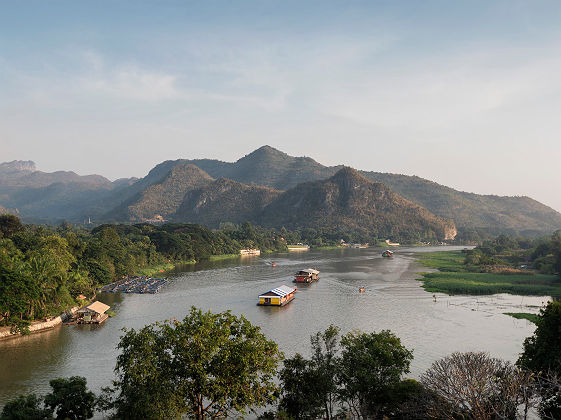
x: 308, y: 275
x: 94, y: 313
x: 279, y: 296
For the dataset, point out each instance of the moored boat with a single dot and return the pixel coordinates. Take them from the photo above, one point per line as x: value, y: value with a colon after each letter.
x: 308, y: 275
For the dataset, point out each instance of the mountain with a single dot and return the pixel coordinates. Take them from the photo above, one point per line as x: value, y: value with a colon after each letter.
x: 272, y: 168
x: 349, y: 201
x: 224, y: 200
x: 38, y: 195
x: 159, y: 194
x: 46, y: 197
x: 268, y: 167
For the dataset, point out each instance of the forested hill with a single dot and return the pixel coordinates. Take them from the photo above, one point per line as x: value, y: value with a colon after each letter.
x: 74, y: 198
x: 272, y: 168
x: 225, y: 200
x: 162, y: 197
x: 349, y: 201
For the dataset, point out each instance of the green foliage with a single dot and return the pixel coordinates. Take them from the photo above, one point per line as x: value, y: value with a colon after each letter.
x: 488, y: 283
x: 44, y: 269
x: 523, y: 315
x: 300, y: 380
x: 25, y: 407
x: 9, y: 225
x: 70, y: 398
x: 363, y: 374
x: 371, y: 368
x: 542, y: 351
x: 206, y: 365
x: 542, y: 355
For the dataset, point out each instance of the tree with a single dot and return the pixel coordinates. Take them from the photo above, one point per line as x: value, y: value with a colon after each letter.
x: 326, y: 362
x: 309, y: 386
x: 542, y: 355
x: 300, y: 396
x: 10, y: 225
x: 477, y: 386
x: 70, y: 398
x: 25, y: 407
x: 206, y: 365
x: 371, y: 367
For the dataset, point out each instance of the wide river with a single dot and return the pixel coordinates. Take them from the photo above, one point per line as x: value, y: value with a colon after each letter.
x: 393, y: 300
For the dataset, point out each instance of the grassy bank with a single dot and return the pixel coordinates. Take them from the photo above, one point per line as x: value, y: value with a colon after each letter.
x: 159, y: 269
x: 453, y: 279
x: 523, y: 315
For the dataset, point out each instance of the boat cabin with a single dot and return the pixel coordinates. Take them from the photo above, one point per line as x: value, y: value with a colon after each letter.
x: 279, y: 296
x: 306, y: 276
x: 94, y: 313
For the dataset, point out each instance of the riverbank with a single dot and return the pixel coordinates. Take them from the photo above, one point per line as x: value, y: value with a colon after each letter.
x: 38, y: 326
x: 153, y: 270
x: 454, y: 279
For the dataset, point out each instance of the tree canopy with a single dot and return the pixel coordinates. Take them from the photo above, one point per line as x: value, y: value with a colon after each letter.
x: 206, y: 365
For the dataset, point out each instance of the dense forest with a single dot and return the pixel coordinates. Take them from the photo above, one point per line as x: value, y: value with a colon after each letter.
x: 44, y: 269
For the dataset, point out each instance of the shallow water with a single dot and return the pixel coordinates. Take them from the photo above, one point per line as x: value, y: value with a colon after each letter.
x: 393, y: 300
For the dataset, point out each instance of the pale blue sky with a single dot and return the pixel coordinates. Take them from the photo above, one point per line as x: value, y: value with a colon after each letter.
x: 465, y: 93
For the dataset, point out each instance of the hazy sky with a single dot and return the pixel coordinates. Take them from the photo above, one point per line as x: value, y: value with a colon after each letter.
x: 464, y: 93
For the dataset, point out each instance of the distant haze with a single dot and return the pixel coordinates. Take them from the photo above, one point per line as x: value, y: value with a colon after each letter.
x: 464, y: 93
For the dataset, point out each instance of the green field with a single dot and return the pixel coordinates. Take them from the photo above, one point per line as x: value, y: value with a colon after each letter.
x: 453, y: 279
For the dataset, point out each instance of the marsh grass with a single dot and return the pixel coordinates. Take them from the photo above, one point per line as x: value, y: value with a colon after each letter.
x: 524, y: 315
x: 454, y: 279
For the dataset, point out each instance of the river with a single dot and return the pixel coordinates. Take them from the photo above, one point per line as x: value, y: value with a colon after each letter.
x: 393, y: 300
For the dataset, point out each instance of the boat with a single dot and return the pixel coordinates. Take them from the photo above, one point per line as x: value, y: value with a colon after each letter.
x: 308, y: 275
x: 279, y: 296
x: 387, y: 253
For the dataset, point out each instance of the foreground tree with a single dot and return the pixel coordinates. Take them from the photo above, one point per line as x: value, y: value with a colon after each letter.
x: 309, y: 387
x: 70, y: 398
x: 542, y: 355
x: 25, y: 407
x: 206, y: 365
x: 479, y: 387
x: 370, y: 370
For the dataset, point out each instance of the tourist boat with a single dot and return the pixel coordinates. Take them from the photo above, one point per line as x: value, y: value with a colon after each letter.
x: 308, y: 275
x: 279, y: 296
x: 387, y: 253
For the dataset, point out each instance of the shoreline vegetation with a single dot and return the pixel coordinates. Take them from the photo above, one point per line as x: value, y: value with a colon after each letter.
x: 455, y: 277
x: 533, y: 318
